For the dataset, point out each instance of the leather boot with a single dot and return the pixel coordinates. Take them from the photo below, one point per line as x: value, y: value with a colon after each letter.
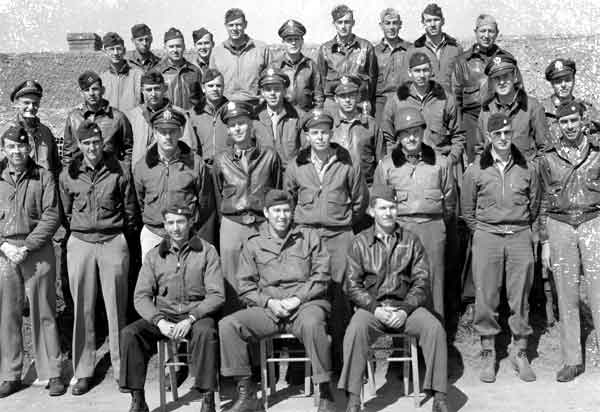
x: 208, y: 402
x: 326, y: 401
x: 568, y: 373
x: 246, y: 396
x: 440, y: 403
x: 520, y: 361
x: 9, y: 387
x: 56, y: 387
x: 138, y: 402
x: 488, y: 360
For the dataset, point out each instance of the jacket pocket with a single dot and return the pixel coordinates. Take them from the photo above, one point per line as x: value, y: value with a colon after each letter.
x: 306, y: 197
x: 433, y: 194
x: 338, y: 204
x: 228, y: 191
x: 592, y: 179
x: 79, y: 204
x: 401, y: 196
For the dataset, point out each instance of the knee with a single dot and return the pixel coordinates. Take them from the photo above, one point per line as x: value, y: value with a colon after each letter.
x: 356, y: 328
x: 227, y: 327
x: 127, y: 335
x: 204, y: 330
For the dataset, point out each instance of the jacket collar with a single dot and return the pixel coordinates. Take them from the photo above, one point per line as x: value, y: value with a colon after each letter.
x: 104, y: 108
x: 286, y: 61
x: 358, y: 118
x: 341, y: 154
x: 435, y: 89
x: 477, y: 50
x: 147, y: 112
x: 487, y: 160
x: 247, y: 45
x: 185, y: 155
x: 194, y: 244
x: 427, y: 155
x: 521, y: 101
x: 450, y: 41
x: 253, y: 154
x: 109, y: 161
x: 385, y: 45
x: 370, y: 233
x: 336, y: 45
x: 206, y: 107
x: 288, y: 109
x: 123, y: 70
x: 31, y: 169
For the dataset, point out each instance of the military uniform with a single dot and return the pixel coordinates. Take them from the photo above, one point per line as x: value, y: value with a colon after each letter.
x: 143, y: 62
x: 201, y: 62
x: 207, y: 131
x: 443, y: 56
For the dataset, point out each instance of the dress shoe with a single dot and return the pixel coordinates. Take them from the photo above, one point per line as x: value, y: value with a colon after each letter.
x: 208, y: 402
x: 56, y: 387
x: 522, y: 366
x: 568, y: 373
x: 138, y: 402
x: 439, y: 405
x: 9, y: 387
x: 488, y: 366
x: 82, y: 386
x: 246, y: 396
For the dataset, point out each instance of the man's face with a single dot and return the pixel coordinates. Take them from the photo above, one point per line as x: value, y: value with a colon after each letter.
x: 143, y: 44
x: 239, y: 128
x: 571, y: 126
x: 236, y: 29
x: 213, y: 90
x: 344, y: 25
x: 384, y: 213
x: 175, y: 49
x: 93, y: 94
x: 293, y: 44
x: 154, y: 93
x: 16, y: 152
x: 204, y: 46
x: 116, y: 53
x: 501, y: 139
x: 167, y: 138
x: 279, y: 217
x: 563, y: 86
x: 433, y: 25
x: 28, y: 105
x: 273, y: 94
x: 486, y: 35
x: 420, y: 74
x: 92, y: 149
x: 390, y: 27
x: 318, y: 136
x: 347, y: 101
x: 411, y: 138
x: 177, y: 227
x: 504, y: 83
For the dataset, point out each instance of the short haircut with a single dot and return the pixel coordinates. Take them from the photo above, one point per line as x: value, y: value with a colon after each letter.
x: 486, y: 19
x: 390, y: 12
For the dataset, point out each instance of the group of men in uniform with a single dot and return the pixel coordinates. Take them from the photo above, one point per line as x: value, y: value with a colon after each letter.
x: 249, y: 193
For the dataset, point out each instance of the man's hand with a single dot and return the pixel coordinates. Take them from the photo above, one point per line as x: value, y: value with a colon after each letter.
x: 398, y: 318
x: 166, y: 327
x: 546, y: 255
x: 291, y: 304
x: 181, y: 329
x: 277, y: 308
x: 383, y: 315
x: 11, y: 252
x: 22, y: 253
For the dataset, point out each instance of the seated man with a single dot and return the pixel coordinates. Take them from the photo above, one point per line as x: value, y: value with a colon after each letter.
x: 178, y: 294
x: 388, y: 282
x: 283, y: 277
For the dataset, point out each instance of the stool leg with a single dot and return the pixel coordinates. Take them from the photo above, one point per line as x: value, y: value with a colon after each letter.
x: 172, y: 352
x: 371, y: 377
x: 263, y: 373
x: 307, y: 378
x: 406, y: 368
x: 271, y: 368
x: 415, y: 369
x: 161, y: 376
x: 218, y: 394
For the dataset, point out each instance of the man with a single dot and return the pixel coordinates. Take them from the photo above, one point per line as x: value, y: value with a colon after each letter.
x: 142, y: 57
x: 346, y: 54
x: 29, y: 218
x: 240, y: 59
x: 305, y: 89
x: 500, y: 199
x: 391, y: 55
x: 570, y: 228
x: 425, y: 192
x: 530, y: 130
x: 278, y: 120
x: 208, y: 133
x: 181, y: 76
x: 388, y: 282
x: 283, y: 278
x: 242, y: 173
x: 121, y: 81
x: 178, y: 295
x: 171, y: 172
x: 441, y: 48
x: 329, y: 192
x: 100, y: 208
x: 561, y: 75
x: 203, y: 43
x: 114, y: 125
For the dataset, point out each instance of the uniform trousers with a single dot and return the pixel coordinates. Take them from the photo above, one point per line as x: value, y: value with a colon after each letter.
x: 470, y: 123
x: 87, y: 263
x: 308, y: 324
x: 573, y: 249
x: 365, y: 328
x: 36, y: 278
x: 138, y: 344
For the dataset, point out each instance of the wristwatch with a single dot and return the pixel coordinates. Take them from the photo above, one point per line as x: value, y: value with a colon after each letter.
x: 192, y: 318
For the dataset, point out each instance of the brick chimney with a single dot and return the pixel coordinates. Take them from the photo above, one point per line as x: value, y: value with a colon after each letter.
x: 84, y: 41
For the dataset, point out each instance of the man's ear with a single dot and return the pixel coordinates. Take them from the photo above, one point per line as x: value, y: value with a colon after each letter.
x: 265, y: 212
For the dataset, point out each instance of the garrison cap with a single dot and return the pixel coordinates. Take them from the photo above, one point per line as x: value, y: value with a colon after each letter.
x: 406, y: 118
x: 168, y: 118
x: 210, y: 75
x: 315, y: 117
x: 200, y: 33
x: 340, y: 11
x: 139, y: 30
x: 152, y: 77
x: 27, y: 87
x: 567, y: 109
x: 348, y: 84
x: 276, y: 197
x: 177, y: 208
x: 433, y: 9
x: 497, y: 121
x: 385, y: 192
x: 111, y: 39
x: 559, y: 68
x: 234, y: 14
x: 87, y: 78
x: 16, y: 133
x: 291, y: 28
x: 173, y: 33
x: 235, y: 109
x: 273, y: 75
x: 88, y: 129
x: 500, y: 63
x: 417, y: 59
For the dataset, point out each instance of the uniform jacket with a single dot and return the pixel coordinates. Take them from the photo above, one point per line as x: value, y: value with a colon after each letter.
x: 297, y: 267
x: 335, y: 60
x: 114, y: 125
x: 530, y: 130
x: 174, y: 284
x: 208, y: 134
x: 240, y: 68
x: 392, y: 66
x: 185, y: 180
x: 123, y: 87
x: 28, y: 207
x: 439, y: 109
x: 397, y: 277
x: 241, y: 192
x: 306, y: 88
x: 443, y: 66
x: 339, y: 201
x: 500, y: 203
x: 202, y: 64
x: 144, y: 64
x: 591, y: 117
x: 99, y: 205
x: 180, y: 81
x: 424, y: 190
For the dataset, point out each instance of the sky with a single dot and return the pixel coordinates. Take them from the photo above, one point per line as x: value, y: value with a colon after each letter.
x: 34, y: 25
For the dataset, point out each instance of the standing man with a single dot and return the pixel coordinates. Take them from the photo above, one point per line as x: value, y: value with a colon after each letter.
x: 329, y: 192
x: 181, y: 76
x: 142, y: 57
x: 425, y: 192
x: 347, y: 54
x: 391, y: 59
x: 113, y: 124
x: 29, y: 218
x: 305, y: 89
x: 500, y: 199
x: 121, y: 81
x: 388, y: 282
x: 203, y: 44
x: 442, y: 49
x: 570, y: 229
x: 187, y: 269
x: 171, y: 172
x: 243, y: 173
x: 240, y: 59
x: 283, y: 278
